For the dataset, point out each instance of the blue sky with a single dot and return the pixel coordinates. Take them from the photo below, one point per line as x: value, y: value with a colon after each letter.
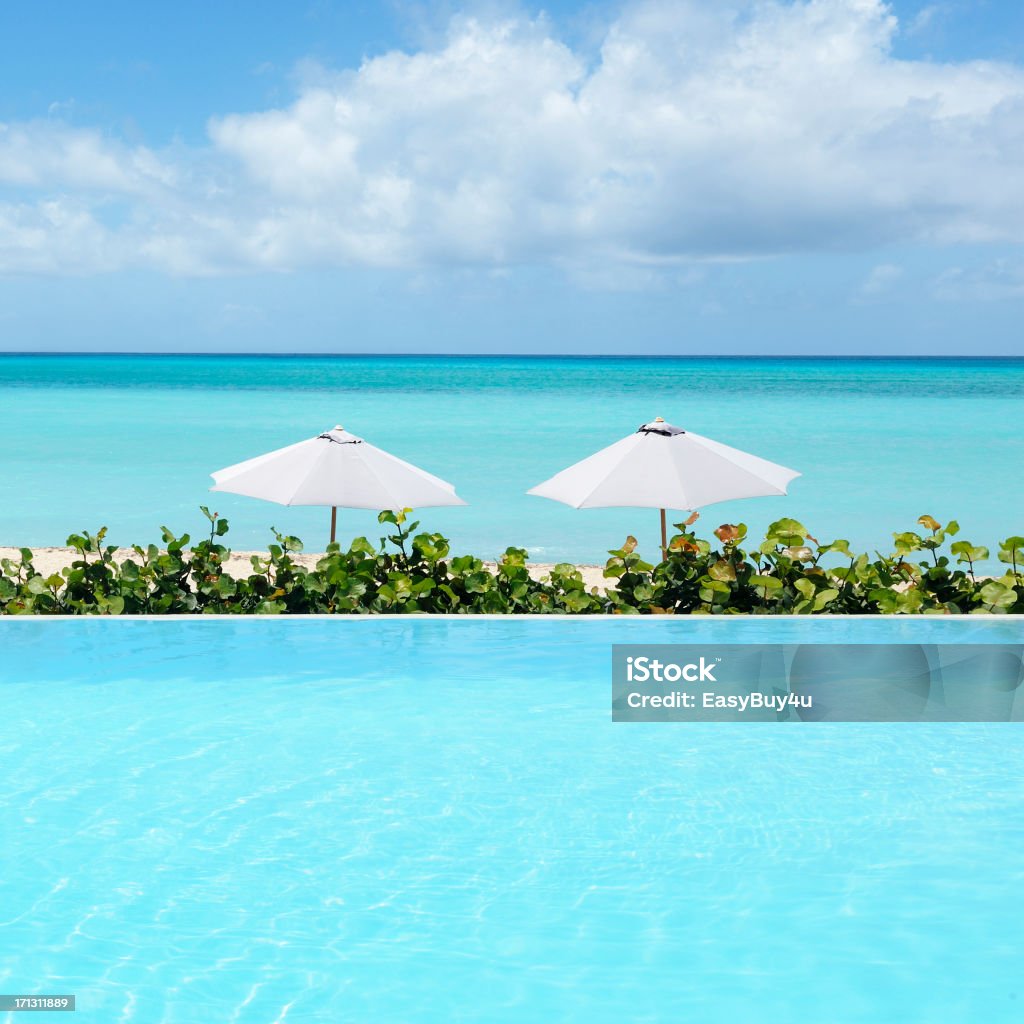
x: 835, y: 176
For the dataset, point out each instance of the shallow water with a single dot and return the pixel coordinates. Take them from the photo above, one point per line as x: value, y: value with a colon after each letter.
x: 129, y: 442
x: 436, y: 820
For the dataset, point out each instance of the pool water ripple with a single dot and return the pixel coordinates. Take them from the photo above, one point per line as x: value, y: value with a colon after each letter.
x: 336, y: 820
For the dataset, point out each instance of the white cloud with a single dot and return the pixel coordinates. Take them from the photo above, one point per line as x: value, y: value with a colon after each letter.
x: 880, y: 280
x: 923, y: 20
x: 999, y: 280
x: 54, y: 236
x: 726, y: 131
x: 50, y: 155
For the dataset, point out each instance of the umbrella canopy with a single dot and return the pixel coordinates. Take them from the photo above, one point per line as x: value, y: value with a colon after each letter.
x: 662, y: 466
x: 337, y: 469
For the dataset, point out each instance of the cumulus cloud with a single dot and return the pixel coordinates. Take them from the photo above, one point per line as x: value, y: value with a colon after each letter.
x: 54, y: 236
x: 51, y: 155
x: 697, y: 132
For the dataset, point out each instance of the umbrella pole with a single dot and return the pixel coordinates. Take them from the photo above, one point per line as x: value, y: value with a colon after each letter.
x: 334, y: 521
x: 664, y: 538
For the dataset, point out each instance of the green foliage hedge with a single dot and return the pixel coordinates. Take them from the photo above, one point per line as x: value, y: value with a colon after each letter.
x: 789, y: 572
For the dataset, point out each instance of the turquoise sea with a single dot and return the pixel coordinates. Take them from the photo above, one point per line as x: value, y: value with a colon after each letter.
x: 433, y: 820
x: 129, y: 441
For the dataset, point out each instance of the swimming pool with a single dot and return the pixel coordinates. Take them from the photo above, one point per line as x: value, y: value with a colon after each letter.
x: 436, y: 820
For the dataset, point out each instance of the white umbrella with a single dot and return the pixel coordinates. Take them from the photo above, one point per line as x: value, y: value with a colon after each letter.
x: 338, y: 469
x: 662, y: 466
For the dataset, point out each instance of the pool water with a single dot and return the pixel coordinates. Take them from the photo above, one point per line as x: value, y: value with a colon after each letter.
x: 436, y: 820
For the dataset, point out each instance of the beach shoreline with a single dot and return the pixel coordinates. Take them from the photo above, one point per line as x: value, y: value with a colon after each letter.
x: 49, y: 560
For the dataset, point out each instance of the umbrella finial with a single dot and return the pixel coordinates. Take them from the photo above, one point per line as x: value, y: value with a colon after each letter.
x: 338, y: 426
x: 659, y: 419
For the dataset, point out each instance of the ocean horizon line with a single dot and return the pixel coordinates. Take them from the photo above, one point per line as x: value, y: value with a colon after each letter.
x: 537, y: 357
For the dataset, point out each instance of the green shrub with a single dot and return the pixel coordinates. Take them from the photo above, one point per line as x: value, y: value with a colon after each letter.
x: 788, y: 572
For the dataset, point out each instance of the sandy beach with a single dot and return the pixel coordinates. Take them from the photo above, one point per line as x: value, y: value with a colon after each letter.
x: 52, y: 560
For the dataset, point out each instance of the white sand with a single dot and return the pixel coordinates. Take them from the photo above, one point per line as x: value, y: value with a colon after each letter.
x: 52, y: 560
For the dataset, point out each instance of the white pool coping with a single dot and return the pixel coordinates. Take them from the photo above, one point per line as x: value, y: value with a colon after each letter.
x: 497, y: 617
